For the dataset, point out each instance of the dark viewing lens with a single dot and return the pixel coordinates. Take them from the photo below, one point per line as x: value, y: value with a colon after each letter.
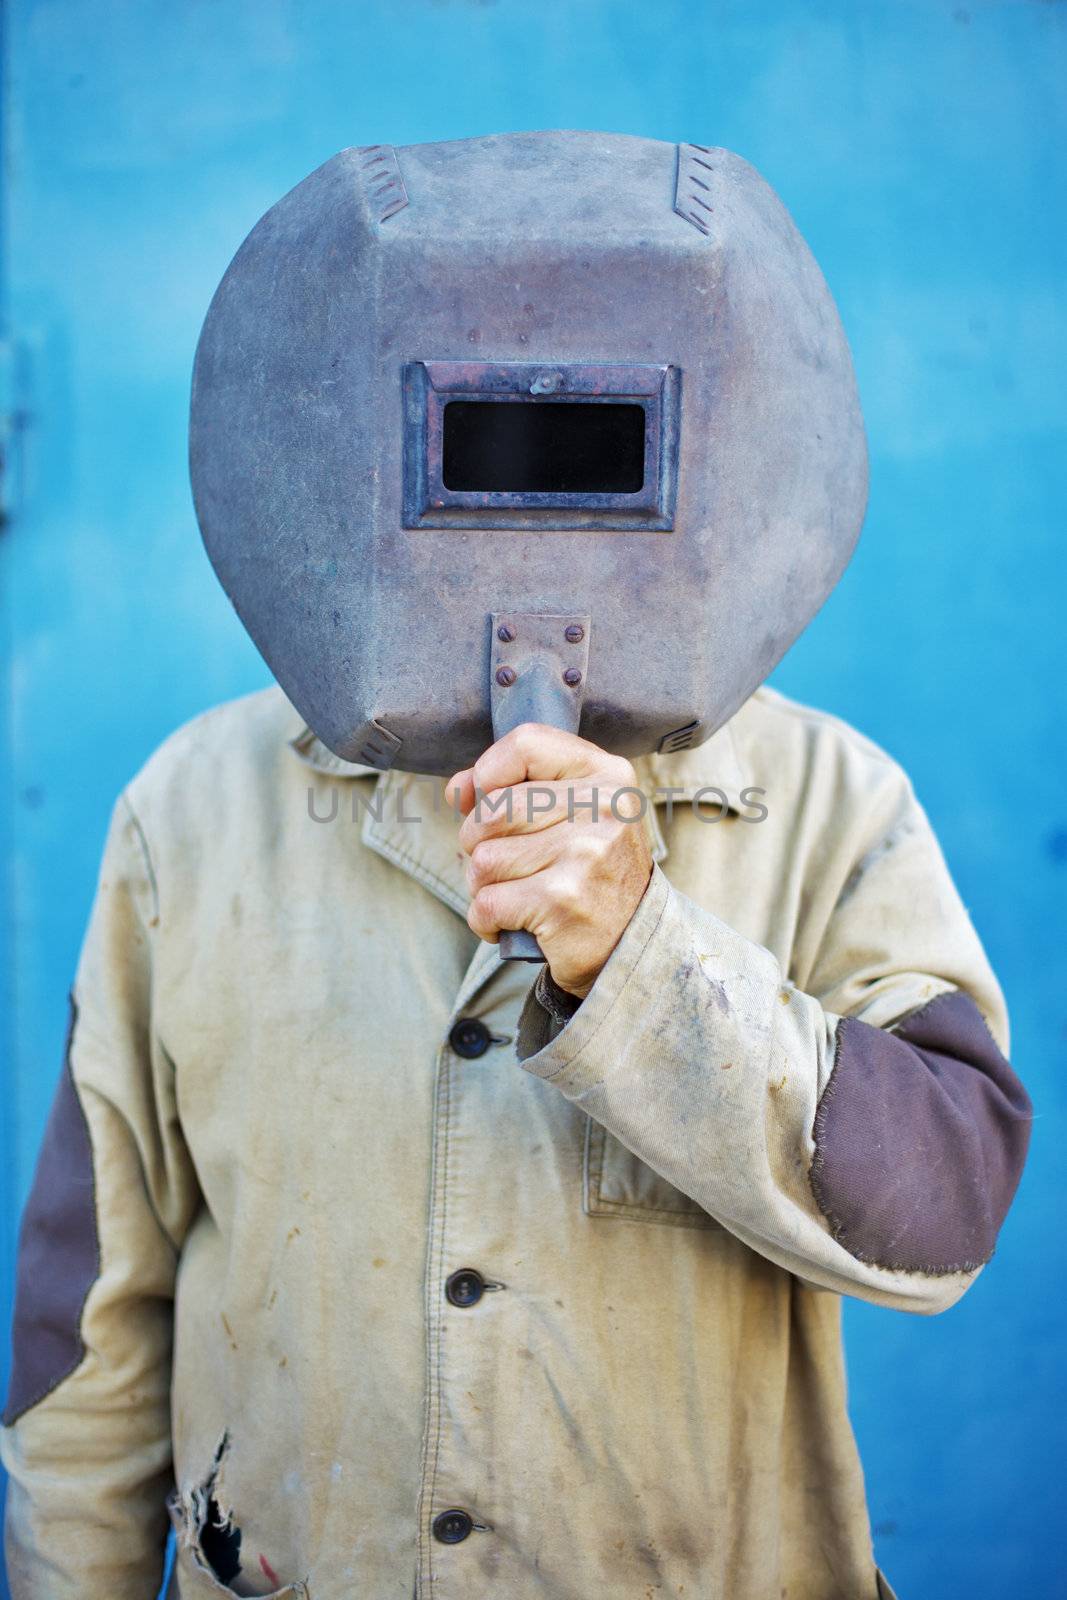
x: 531, y: 447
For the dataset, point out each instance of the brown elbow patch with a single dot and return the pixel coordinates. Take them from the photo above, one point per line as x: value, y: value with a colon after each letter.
x: 59, y: 1252
x: 920, y: 1139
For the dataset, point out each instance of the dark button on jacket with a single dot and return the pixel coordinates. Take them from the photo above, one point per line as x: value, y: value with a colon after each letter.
x: 470, y: 1038
x: 452, y: 1527
x: 465, y: 1287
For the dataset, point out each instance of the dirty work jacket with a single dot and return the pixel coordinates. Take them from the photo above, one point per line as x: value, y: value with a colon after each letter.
x: 402, y: 1303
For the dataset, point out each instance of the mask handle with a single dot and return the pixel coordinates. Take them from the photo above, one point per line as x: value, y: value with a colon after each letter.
x: 537, y: 673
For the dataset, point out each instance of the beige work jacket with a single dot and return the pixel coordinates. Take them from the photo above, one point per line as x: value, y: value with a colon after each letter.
x: 408, y: 1289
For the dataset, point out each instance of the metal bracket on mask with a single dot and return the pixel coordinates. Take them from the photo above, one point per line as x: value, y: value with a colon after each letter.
x: 380, y: 748
x: 537, y: 673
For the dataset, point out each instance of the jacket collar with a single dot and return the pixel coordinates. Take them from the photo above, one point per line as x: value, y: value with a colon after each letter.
x: 407, y: 822
x: 681, y: 777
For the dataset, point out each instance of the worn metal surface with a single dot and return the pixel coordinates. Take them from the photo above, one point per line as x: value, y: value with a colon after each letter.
x: 318, y: 391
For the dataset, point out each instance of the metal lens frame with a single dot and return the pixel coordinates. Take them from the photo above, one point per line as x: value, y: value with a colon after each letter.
x: 429, y: 386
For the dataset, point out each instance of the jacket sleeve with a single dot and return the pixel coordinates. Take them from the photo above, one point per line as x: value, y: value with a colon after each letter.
x: 86, y: 1436
x: 865, y: 1132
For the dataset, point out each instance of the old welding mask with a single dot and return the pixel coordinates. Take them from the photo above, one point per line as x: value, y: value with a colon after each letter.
x: 555, y: 425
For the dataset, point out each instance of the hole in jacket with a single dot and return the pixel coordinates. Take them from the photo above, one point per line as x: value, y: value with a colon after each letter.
x: 220, y: 1543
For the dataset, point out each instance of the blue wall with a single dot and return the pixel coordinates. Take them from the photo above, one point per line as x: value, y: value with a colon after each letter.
x: 921, y: 148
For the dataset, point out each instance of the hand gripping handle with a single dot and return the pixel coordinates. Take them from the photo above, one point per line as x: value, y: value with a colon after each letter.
x: 538, y: 668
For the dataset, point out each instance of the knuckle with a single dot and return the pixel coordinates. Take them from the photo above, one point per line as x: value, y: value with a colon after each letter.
x: 607, y: 843
x: 567, y: 888
x: 488, y: 816
x: 626, y: 805
x: 589, y: 846
x: 484, y: 859
x: 486, y: 901
x: 479, y: 775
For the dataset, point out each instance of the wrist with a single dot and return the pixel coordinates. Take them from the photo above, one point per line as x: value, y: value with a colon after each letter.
x: 560, y: 1003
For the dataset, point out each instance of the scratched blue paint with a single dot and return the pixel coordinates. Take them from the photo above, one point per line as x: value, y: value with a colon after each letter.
x: 920, y: 145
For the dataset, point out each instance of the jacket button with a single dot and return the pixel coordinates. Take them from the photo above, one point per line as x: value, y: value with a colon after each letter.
x: 452, y: 1527
x: 470, y: 1038
x: 465, y: 1287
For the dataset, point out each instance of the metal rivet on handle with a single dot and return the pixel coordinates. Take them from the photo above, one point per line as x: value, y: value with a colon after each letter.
x: 574, y: 634
x: 505, y: 634
x: 506, y: 677
x: 572, y: 677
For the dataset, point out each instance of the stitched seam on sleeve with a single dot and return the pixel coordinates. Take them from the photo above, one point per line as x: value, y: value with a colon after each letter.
x: 146, y: 853
x: 154, y: 885
x: 898, y: 828
x: 946, y: 994
x: 149, y: 1200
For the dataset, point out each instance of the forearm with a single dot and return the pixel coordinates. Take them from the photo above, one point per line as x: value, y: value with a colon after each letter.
x: 885, y: 1178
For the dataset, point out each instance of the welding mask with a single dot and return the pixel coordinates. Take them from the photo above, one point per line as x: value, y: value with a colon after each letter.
x: 559, y: 426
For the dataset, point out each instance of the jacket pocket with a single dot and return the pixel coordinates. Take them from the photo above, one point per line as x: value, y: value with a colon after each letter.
x: 616, y: 1183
